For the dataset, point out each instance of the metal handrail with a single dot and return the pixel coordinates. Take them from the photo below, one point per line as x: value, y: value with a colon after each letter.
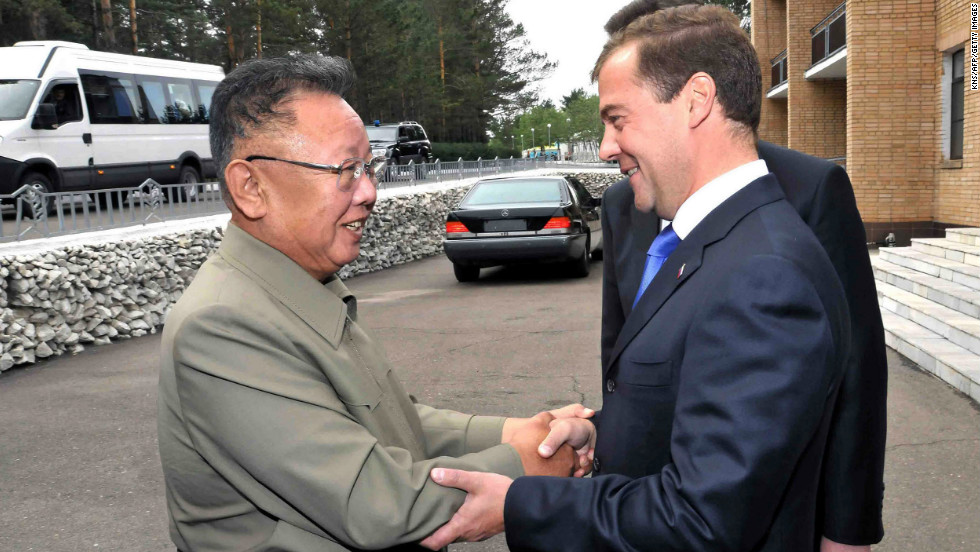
x: 41, y: 215
x: 828, y: 20
x: 779, y: 57
x: 776, y: 61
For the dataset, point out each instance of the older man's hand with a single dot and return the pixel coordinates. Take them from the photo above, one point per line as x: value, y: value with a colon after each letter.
x: 526, y: 439
x: 482, y: 514
x: 573, y: 427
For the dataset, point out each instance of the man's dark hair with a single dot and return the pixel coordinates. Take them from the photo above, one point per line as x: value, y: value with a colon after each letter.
x: 675, y: 43
x: 628, y: 13
x: 254, y: 98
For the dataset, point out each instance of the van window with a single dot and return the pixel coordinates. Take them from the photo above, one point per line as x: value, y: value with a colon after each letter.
x: 110, y: 99
x: 182, y: 104
x: 16, y: 97
x: 205, y: 90
x: 66, y: 102
x: 156, y: 101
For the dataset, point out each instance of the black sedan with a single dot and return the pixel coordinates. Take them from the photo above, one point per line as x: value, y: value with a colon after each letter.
x: 522, y: 220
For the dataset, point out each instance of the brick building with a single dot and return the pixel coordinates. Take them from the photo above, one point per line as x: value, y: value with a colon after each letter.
x: 882, y: 86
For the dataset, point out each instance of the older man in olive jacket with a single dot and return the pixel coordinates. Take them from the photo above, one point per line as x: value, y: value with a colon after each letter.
x: 281, y: 424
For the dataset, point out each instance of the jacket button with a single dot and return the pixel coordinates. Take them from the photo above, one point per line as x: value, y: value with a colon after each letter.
x: 595, y: 465
x: 610, y: 385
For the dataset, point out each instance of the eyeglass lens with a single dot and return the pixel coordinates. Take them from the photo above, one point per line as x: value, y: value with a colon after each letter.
x: 352, y: 169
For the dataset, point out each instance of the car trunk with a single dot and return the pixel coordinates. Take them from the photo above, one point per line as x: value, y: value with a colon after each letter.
x: 518, y: 218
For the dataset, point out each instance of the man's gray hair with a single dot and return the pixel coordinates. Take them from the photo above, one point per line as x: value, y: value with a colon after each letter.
x: 252, y: 98
x: 630, y: 12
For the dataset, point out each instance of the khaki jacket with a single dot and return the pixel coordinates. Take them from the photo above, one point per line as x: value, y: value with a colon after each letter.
x: 282, y: 426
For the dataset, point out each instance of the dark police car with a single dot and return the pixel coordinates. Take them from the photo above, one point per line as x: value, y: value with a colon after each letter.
x: 402, y: 142
x: 521, y: 220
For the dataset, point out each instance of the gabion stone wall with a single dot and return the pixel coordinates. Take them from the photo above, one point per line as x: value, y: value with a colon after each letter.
x: 58, y: 301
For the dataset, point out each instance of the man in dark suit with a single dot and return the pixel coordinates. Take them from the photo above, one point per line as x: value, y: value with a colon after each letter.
x: 820, y: 191
x: 720, y: 388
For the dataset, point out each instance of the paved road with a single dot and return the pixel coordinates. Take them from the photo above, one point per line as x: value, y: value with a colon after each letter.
x: 78, y: 461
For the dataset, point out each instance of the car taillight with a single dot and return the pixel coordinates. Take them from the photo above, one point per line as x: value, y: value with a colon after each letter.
x: 558, y: 222
x: 452, y: 227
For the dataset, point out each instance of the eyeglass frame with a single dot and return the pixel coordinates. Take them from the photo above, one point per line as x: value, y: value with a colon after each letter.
x: 366, y: 167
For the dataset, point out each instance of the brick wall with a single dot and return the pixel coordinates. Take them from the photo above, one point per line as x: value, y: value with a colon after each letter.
x: 957, y: 192
x: 891, y: 146
x: 769, y: 38
x: 888, y: 115
x: 817, y: 110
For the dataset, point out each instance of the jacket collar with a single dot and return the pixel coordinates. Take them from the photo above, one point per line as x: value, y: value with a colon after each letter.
x: 686, y: 259
x: 323, y: 306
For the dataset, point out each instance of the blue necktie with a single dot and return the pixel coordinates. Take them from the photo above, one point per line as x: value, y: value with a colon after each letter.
x: 663, y: 245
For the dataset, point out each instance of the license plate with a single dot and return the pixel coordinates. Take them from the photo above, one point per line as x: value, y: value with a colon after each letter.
x: 515, y: 225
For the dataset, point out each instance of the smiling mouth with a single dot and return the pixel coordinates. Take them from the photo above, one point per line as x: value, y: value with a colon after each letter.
x: 632, y: 171
x: 355, y: 226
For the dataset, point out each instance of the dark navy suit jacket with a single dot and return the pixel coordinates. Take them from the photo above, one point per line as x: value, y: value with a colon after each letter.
x: 820, y: 191
x: 717, y: 398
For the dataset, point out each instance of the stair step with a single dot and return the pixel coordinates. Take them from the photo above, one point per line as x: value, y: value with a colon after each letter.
x: 934, y: 266
x: 955, y: 326
x: 948, y: 249
x: 958, y: 297
x: 948, y: 361
x: 969, y: 236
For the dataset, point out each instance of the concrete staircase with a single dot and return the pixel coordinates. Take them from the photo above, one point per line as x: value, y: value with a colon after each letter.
x: 929, y: 295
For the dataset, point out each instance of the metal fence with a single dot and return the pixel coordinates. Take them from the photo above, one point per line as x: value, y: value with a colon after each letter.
x: 29, y: 213
x: 397, y: 176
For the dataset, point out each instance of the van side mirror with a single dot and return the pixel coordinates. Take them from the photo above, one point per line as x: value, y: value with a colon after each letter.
x: 46, y: 118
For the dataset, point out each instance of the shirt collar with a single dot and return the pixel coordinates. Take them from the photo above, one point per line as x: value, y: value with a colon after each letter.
x: 713, y: 194
x: 324, y: 306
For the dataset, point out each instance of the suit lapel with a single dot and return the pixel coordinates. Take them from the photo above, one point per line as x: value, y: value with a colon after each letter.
x: 687, y: 258
x: 644, y: 227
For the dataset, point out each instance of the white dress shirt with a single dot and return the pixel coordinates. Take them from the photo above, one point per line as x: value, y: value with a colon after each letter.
x: 713, y: 194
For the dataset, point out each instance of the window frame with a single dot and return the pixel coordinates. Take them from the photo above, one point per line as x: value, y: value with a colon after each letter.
x: 136, y: 118
x: 954, y: 82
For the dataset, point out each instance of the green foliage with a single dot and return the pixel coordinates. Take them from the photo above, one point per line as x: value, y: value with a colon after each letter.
x: 741, y: 8
x: 577, y: 121
x: 471, y: 151
x: 451, y: 65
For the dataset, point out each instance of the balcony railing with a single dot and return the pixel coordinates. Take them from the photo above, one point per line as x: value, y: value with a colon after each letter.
x: 829, y: 36
x: 779, y: 69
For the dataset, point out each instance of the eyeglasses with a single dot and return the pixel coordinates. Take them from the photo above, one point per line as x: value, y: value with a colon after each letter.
x: 348, y: 171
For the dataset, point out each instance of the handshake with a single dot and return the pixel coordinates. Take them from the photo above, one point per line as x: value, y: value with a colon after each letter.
x: 557, y: 442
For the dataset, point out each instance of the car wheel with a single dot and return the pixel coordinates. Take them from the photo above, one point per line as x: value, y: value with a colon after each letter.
x: 597, y: 254
x: 41, y: 185
x: 580, y: 266
x: 189, y: 180
x: 466, y: 273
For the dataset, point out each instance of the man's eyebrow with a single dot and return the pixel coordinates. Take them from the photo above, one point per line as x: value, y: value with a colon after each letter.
x: 604, y: 112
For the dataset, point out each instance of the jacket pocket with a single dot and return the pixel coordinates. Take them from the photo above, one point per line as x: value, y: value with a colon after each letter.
x: 644, y: 373
x: 358, y: 387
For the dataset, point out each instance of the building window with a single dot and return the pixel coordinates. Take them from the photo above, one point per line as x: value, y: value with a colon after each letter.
x: 956, y: 107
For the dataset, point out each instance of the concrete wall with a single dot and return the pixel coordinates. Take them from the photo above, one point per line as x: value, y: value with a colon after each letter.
x: 58, y: 296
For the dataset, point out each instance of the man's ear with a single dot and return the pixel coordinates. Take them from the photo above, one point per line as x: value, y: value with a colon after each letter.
x: 246, y: 191
x: 701, y: 98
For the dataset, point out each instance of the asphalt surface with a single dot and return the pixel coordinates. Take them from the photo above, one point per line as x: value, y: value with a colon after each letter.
x: 79, y: 468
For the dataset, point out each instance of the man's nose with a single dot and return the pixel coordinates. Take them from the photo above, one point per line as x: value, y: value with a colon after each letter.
x: 365, y: 190
x: 609, y: 148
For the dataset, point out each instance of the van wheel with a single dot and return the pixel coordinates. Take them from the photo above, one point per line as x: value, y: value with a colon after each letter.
x: 189, y: 180
x: 466, y: 273
x: 41, y: 185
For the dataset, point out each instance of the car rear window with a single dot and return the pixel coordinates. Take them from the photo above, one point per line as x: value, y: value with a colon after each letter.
x: 513, y: 191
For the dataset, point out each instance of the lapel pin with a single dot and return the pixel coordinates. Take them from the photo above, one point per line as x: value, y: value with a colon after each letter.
x: 681, y: 271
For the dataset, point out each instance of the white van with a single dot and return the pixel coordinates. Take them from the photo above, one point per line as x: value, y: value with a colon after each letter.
x: 140, y: 118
